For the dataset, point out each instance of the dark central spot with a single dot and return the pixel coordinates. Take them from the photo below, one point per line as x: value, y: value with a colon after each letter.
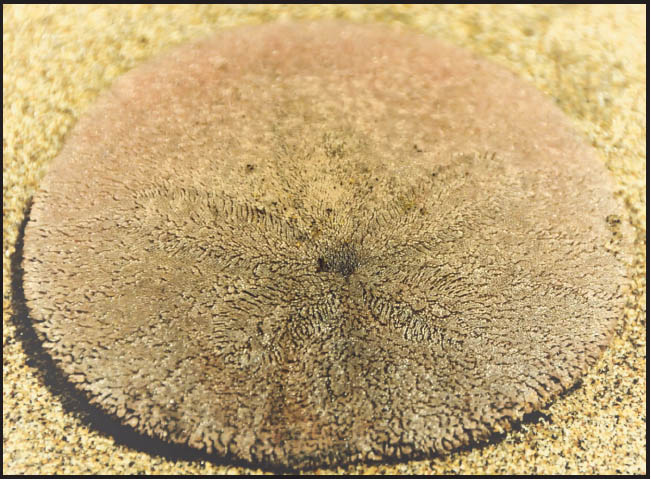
x: 341, y: 259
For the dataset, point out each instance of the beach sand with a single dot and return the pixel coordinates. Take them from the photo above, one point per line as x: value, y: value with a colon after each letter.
x: 590, y: 59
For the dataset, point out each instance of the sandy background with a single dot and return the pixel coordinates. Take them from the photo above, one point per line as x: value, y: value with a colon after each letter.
x: 590, y: 59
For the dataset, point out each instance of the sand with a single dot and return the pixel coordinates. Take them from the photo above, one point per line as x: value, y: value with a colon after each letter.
x: 590, y: 59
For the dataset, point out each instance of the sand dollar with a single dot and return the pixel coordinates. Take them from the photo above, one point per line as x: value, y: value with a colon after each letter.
x: 311, y: 244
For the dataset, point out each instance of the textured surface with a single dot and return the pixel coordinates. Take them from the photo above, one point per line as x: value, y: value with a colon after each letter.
x: 451, y: 463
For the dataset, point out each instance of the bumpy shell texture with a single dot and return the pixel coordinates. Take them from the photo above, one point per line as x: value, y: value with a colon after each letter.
x: 304, y: 245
